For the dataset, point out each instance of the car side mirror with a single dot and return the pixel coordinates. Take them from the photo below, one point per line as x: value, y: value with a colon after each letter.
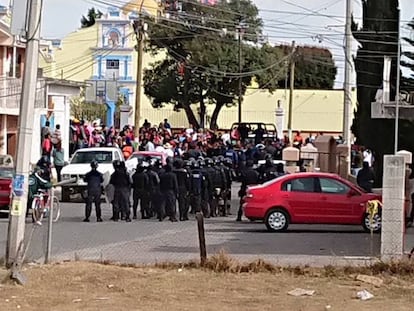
x: 352, y: 193
x: 65, y: 163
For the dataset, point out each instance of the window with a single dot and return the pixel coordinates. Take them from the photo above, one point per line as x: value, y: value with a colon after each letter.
x: 89, y: 156
x: 116, y: 156
x: 113, y: 39
x: 333, y: 186
x: 112, y: 64
x: 300, y: 185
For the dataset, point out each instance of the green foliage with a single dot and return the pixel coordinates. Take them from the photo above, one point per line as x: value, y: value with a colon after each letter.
x: 201, y: 63
x: 407, y: 83
x: 79, y: 109
x: 377, y: 37
x: 90, y: 19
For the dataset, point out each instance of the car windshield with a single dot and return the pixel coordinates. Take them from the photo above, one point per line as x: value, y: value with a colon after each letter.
x: 143, y: 157
x: 88, y: 156
x: 6, y: 172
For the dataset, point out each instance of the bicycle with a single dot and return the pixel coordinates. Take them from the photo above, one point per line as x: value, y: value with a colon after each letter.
x: 41, y: 209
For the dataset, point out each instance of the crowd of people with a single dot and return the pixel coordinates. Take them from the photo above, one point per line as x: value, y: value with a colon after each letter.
x: 201, y: 166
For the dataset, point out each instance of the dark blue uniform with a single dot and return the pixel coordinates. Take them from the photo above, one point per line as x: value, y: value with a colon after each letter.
x: 94, y: 180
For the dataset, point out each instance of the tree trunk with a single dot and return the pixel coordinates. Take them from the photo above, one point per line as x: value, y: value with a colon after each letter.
x: 202, y: 112
x: 191, y: 117
x: 214, y: 116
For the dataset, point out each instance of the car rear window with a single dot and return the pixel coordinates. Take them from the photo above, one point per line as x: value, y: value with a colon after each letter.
x: 88, y: 156
x: 6, y: 173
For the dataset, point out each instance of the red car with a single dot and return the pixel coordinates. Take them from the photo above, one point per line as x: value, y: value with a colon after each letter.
x: 6, y: 178
x: 309, y: 198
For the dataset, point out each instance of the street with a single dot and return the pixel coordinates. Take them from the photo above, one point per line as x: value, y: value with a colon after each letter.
x: 149, y: 241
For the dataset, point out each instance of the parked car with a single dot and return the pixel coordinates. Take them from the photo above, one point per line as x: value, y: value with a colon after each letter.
x: 6, y: 179
x: 309, y: 198
x: 132, y: 161
x: 80, y: 165
x: 270, y: 131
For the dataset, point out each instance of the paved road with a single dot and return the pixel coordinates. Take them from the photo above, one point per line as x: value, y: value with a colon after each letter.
x: 149, y: 241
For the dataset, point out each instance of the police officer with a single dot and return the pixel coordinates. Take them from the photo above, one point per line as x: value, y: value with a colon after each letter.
x: 120, y: 180
x: 248, y: 177
x: 94, y: 179
x: 140, y: 184
x: 207, y: 198
x: 154, y: 190
x: 219, y: 185
x: 169, y: 189
x: 183, y: 178
x: 268, y: 171
x: 197, y: 183
x: 228, y: 170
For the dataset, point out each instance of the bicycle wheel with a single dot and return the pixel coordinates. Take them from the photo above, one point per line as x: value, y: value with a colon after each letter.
x: 37, y: 211
x: 56, y: 209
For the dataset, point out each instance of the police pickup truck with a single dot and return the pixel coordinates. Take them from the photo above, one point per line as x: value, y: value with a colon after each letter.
x: 80, y: 164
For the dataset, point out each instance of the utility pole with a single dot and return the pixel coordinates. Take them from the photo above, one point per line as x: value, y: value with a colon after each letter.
x: 292, y: 87
x: 240, y: 30
x: 139, y: 28
x: 397, y: 88
x: 240, y: 77
x: 26, y: 118
x: 347, y: 117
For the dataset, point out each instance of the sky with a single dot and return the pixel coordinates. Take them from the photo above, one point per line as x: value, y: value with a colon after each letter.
x: 320, y: 23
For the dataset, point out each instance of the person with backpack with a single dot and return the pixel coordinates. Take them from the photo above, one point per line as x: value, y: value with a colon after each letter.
x: 47, y: 146
x: 183, y: 178
x: 197, y: 186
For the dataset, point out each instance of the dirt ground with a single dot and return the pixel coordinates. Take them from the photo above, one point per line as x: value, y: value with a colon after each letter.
x: 91, y: 286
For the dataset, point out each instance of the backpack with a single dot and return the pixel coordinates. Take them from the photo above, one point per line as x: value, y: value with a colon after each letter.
x: 196, y: 182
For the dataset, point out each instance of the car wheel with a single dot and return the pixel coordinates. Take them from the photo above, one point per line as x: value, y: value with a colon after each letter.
x: 376, y: 223
x: 65, y: 195
x: 277, y: 220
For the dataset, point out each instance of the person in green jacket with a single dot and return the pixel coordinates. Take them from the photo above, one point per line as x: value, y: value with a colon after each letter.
x: 58, y: 159
x: 36, y: 182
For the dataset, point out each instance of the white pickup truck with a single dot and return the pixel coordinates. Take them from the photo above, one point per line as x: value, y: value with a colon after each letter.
x: 80, y: 165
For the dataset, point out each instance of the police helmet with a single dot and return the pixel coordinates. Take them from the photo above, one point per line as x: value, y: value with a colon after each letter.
x: 195, y: 164
x: 220, y: 158
x: 178, y: 163
x: 187, y: 163
x: 228, y: 162
x: 94, y: 164
x: 201, y: 163
x: 209, y: 162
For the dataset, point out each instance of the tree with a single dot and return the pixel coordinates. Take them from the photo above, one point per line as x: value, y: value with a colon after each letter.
x: 377, y: 37
x: 407, y: 83
x: 314, y: 67
x: 90, y: 19
x: 201, y: 57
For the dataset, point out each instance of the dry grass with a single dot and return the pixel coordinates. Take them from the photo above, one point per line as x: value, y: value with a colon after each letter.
x: 221, y: 284
x: 223, y: 263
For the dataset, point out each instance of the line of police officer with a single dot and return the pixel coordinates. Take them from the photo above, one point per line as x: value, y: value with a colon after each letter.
x: 199, y: 185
